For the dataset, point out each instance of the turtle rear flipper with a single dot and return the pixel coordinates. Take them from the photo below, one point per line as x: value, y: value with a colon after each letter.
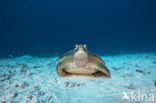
x: 102, y: 68
x: 61, y: 72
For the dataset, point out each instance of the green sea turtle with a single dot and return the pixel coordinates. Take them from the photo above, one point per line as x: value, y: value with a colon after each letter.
x: 80, y: 61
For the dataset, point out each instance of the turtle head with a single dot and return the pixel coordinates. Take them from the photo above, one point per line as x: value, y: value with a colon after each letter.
x: 80, y: 47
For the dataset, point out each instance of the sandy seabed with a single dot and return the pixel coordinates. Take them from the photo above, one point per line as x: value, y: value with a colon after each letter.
x: 30, y: 79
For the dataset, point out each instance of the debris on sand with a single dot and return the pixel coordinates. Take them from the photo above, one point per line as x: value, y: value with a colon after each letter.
x: 33, y: 80
x: 71, y: 84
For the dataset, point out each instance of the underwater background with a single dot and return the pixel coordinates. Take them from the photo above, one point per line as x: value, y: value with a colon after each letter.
x: 34, y: 33
x: 52, y: 27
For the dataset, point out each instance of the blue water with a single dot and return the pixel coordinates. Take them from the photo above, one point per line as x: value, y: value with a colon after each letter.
x: 37, y: 32
x: 42, y: 27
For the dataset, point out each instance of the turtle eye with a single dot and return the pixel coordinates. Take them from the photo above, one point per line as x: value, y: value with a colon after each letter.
x: 85, y: 46
x: 77, y: 48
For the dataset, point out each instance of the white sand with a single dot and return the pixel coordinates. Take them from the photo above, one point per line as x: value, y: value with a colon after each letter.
x: 29, y: 79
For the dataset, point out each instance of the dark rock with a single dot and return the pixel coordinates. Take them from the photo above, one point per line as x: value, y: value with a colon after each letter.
x: 143, y: 72
x: 131, y: 87
x: 18, y: 64
x: 39, y: 71
x: 50, y: 98
x: 16, y: 85
x: 67, y: 84
x: 36, y: 88
x: 51, y: 71
x: 24, y: 65
x: 36, y: 66
x: 79, y: 84
x: 130, y: 74
x: 30, y: 74
x: 139, y: 71
x: 56, y: 80
x: 3, y: 102
x: 124, y: 76
x: 5, y: 77
x: 51, y: 64
x: 137, y: 65
x: 23, y: 70
x: 146, y: 56
x: 71, y: 84
x: 149, y: 73
x: 41, y: 93
x: 10, y: 82
x: 30, y: 97
x: 24, y: 85
x: 115, y: 68
x: 154, y: 62
x: 155, y: 83
x: 14, y: 95
x: 10, y: 71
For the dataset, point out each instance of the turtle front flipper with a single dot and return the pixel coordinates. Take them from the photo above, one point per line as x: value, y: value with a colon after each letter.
x: 99, y: 63
x: 102, y: 68
x: 62, y: 63
x: 61, y: 72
